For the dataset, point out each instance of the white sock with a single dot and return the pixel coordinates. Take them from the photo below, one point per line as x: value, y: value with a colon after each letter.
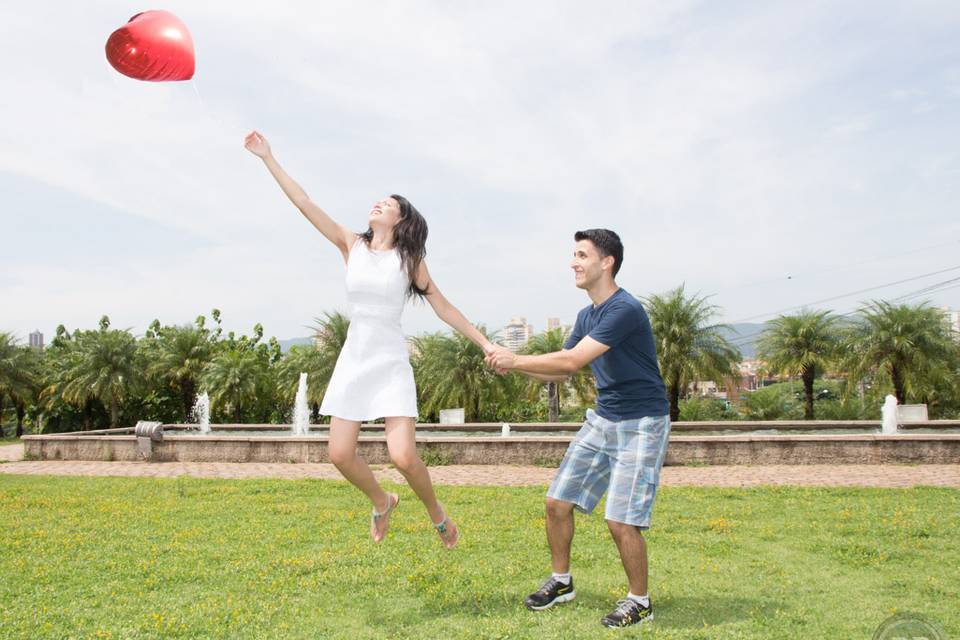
x: 644, y: 600
x: 562, y: 577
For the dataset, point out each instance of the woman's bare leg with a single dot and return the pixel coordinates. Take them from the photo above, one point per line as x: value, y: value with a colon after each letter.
x: 401, y: 441
x: 343, y: 454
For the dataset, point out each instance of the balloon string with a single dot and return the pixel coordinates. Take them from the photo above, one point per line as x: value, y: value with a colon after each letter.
x: 203, y: 105
x: 193, y: 83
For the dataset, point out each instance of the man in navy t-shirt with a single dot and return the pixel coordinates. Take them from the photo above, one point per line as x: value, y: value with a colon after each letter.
x: 622, y: 444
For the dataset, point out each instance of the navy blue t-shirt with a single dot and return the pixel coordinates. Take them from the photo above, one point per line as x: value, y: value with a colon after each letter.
x: 629, y: 385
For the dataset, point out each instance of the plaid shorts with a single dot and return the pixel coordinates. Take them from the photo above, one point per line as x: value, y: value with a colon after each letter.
x: 623, y: 456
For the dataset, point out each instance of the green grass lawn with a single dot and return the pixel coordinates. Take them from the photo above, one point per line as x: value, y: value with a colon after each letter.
x: 189, y: 558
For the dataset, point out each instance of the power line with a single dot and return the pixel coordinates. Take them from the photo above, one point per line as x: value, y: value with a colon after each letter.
x: 885, y: 257
x: 846, y: 295
x: 937, y: 287
x: 943, y: 285
x: 934, y: 288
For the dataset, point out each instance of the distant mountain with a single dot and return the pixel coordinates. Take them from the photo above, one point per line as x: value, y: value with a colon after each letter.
x: 744, y: 336
x: 286, y: 344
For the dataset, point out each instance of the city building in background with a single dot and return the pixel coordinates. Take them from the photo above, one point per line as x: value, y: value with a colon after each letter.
x: 517, y: 333
x: 953, y: 319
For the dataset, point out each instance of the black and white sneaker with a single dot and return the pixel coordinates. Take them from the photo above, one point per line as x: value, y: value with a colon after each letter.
x: 628, y: 612
x: 551, y: 592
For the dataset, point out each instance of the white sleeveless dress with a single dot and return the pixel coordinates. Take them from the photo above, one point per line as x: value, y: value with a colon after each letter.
x: 373, y: 377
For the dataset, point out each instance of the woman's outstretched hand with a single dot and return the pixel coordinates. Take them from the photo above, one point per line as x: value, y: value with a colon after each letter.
x: 257, y: 144
x: 492, y: 353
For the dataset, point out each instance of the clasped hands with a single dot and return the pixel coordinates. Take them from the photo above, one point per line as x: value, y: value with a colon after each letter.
x: 499, y: 358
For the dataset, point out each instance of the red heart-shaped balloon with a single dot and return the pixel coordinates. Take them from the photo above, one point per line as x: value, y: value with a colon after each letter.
x: 154, y: 46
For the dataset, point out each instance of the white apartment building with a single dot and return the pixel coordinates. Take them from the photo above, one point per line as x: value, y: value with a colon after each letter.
x: 516, y: 334
x: 953, y: 319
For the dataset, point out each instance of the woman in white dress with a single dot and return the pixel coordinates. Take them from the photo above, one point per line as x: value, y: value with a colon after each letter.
x: 373, y: 378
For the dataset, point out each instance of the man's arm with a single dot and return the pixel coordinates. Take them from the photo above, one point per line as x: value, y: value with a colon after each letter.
x: 546, y: 378
x: 543, y: 377
x: 558, y: 363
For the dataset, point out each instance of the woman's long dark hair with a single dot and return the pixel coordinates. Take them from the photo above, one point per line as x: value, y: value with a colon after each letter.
x: 410, y: 240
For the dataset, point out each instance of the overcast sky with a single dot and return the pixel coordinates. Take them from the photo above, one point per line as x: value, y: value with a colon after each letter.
x: 767, y: 154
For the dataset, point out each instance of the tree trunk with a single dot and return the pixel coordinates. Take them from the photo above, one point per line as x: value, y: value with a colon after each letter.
x: 21, y: 410
x: 554, y: 397
x: 114, y: 412
x: 3, y: 404
x: 809, y: 373
x: 315, y: 413
x: 86, y: 413
x: 897, y: 379
x: 474, y: 403
x: 189, y: 396
x: 674, y: 392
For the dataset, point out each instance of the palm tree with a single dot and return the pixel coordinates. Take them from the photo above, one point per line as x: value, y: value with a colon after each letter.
x: 803, y: 344
x: 8, y: 369
x: 18, y: 377
x: 910, y: 345
x: 26, y: 392
x: 178, y: 357
x: 451, y: 372
x: 107, y: 368
x: 688, y: 347
x: 330, y: 334
x: 62, y: 355
x: 581, y: 382
x: 234, y: 377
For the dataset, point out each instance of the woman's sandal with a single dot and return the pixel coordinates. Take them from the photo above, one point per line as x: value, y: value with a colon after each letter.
x: 377, y: 518
x: 449, y: 533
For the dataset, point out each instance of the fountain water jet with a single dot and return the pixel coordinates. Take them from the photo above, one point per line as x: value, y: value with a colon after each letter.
x: 889, y: 420
x: 301, y: 411
x: 201, y: 413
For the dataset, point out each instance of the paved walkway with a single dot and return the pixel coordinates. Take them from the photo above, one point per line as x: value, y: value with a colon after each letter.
x: 718, y: 476
x: 11, y: 452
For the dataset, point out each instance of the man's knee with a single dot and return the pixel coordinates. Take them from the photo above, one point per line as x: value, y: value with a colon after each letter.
x: 558, y: 508
x: 621, y: 529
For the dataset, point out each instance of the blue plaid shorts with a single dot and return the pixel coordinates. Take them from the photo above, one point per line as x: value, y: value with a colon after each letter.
x: 625, y: 457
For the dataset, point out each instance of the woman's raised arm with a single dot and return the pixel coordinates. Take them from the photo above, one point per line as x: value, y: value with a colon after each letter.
x: 339, y: 235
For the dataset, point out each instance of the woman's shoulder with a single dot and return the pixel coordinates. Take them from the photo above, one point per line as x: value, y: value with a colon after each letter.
x: 353, y: 240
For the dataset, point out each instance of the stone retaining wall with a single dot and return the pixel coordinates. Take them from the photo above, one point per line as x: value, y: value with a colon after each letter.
x: 546, y: 451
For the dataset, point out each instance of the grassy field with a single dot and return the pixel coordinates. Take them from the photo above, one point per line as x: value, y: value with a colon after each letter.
x: 189, y: 558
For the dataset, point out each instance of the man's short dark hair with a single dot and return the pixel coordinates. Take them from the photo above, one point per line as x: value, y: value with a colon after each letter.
x: 607, y: 243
